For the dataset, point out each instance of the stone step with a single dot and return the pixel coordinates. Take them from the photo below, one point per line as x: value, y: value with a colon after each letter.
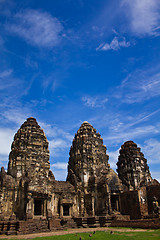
x: 11, y: 233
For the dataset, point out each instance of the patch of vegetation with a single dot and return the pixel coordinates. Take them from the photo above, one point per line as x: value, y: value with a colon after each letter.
x: 107, y: 235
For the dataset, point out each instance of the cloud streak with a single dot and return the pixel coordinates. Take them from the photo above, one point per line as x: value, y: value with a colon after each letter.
x: 60, y: 170
x: 6, y: 140
x: 36, y: 28
x: 151, y: 148
x: 60, y: 165
x: 139, y: 86
x: 113, y: 158
x: 115, y: 45
x: 94, y: 102
x: 7, y: 80
x: 129, y: 134
x: 15, y: 114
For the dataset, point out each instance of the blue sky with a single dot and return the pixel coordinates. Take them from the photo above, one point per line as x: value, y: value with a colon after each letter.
x: 68, y: 61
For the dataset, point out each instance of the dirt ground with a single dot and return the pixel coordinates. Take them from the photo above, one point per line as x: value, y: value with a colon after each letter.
x: 70, y: 231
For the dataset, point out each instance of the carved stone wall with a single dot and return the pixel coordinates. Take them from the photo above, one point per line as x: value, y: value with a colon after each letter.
x: 29, y: 189
x: 88, y: 156
x: 8, y: 194
x: 132, y: 166
x: 90, y: 173
x: 29, y: 152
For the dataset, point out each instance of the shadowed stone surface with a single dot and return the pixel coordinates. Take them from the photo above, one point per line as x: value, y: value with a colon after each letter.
x: 132, y: 166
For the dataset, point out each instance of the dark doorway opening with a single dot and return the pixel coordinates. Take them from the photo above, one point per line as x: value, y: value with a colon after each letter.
x: 38, y: 207
x: 65, y: 210
x: 114, y: 203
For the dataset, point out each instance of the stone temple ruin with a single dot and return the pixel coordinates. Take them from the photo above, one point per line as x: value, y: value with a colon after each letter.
x: 31, y: 200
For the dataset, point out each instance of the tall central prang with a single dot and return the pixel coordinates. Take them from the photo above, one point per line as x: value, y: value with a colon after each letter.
x: 88, y: 156
x: 90, y: 173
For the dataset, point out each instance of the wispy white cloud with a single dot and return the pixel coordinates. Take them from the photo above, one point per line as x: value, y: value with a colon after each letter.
x: 122, y: 126
x: 130, y: 133
x: 60, y: 174
x: 37, y: 28
x: 6, y: 73
x: 4, y: 161
x: 151, y: 148
x: 59, y: 140
x: 94, y: 102
x: 6, y: 140
x: 59, y: 143
x: 53, y: 131
x: 16, y: 115
x: 59, y: 147
x: 11, y: 85
x: 143, y: 118
x: 113, y: 158
x: 6, y: 79
x: 156, y: 175
x: 51, y: 83
x: 139, y: 86
x: 115, y: 44
x: 143, y: 16
x: 60, y: 165
x: 60, y: 170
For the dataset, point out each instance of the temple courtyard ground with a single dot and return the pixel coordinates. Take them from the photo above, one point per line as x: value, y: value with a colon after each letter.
x: 92, y: 233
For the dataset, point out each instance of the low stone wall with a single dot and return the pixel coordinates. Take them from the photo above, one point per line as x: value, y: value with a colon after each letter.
x: 9, y: 227
x: 141, y: 223
x: 33, y: 226
x: 42, y: 225
x: 54, y: 224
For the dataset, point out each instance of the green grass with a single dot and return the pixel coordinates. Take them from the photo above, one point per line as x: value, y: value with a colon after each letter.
x: 105, y: 235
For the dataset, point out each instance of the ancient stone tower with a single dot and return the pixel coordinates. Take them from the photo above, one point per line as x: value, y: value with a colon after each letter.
x: 88, y: 156
x: 29, y: 154
x: 29, y: 190
x: 90, y: 173
x: 132, y: 166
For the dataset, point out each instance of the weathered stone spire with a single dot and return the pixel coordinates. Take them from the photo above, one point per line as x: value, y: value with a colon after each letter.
x: 87, y: 154
x: 29, y: 154
x: 132, y: 166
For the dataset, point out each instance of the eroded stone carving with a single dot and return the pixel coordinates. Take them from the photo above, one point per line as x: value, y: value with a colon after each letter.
x: 90, y: 173
x: 132, y: 166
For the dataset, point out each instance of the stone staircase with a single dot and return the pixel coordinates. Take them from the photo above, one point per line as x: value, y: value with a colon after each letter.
x: 68, y: 223
x: 101, y: 221
x: 9, y: 228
